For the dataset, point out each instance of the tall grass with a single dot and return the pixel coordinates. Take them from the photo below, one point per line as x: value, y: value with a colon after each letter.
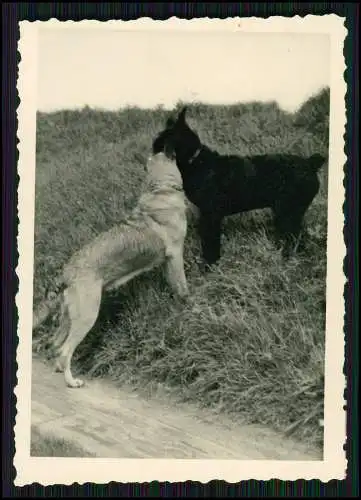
x: 252, y: 341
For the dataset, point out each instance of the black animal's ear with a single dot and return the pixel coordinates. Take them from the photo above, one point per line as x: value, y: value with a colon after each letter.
x: 182, y: 115
x: 170, y: 122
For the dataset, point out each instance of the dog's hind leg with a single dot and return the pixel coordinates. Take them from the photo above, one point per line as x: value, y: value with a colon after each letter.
x: 83, y: 303
x: 175, y: 275
x: 60, y: 337
x: 63, y: 328
x: 210, y: 234
x: 290, y: 212
x: 289, y: 227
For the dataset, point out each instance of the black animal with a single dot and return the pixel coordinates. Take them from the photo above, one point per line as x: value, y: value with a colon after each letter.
x: 221, y: 185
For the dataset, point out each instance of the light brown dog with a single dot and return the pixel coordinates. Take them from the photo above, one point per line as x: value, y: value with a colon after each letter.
x: 153, y: 235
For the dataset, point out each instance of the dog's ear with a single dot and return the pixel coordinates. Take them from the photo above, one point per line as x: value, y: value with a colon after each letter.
x: 182, y: 115
x: 170, y: 122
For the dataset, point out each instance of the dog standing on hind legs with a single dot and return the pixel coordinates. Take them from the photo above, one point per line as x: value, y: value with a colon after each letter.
x: 152, y: 236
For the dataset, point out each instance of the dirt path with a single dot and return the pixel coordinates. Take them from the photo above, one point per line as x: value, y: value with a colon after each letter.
x: 118, y: 423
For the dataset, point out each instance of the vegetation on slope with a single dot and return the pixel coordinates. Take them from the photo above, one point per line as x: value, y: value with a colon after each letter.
x: 49, y: 446
x: 252, y: 342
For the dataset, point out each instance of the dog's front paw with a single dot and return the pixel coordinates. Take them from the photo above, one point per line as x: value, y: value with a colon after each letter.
x: 186, y: 299
x: 182, y: 299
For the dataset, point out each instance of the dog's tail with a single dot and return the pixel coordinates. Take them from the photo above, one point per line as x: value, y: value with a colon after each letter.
x: 49, y: 305
x: 316, y: 161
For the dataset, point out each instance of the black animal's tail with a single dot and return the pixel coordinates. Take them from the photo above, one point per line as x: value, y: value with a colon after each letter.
x: 52, y: 300
x: 316, y: 161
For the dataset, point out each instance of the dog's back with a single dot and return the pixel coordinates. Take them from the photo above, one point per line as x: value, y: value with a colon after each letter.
x: 233, y: 183
x: 140, y: 237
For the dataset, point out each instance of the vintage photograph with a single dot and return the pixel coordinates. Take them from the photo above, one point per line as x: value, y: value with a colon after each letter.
x: 180, y: 248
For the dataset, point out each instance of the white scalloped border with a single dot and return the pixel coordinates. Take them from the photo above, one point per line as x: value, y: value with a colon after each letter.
x: 307, y: 24
x: 47, y: 471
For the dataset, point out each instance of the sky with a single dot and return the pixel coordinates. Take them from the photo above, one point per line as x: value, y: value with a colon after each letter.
x: 113, y: 69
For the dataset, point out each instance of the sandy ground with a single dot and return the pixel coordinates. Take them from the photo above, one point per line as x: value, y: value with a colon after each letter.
x: 118, y: 423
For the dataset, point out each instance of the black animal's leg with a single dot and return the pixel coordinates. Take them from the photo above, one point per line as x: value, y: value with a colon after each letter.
x: 289, y: 225
x: 290, y: 210
x: 210, y: 234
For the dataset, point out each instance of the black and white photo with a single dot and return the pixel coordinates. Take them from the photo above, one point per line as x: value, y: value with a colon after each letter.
x: 181, y: 250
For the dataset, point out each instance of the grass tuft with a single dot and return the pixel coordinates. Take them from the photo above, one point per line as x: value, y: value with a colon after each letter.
x: 50, y: 446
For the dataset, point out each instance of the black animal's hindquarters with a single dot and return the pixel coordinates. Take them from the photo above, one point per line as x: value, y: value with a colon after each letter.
x: 289, y: 212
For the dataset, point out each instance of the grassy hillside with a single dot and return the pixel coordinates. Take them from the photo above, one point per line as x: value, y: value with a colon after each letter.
x: 252, y: 343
